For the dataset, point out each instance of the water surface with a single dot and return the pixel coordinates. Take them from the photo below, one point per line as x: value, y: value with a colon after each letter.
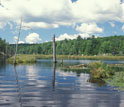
x: 46, y: 85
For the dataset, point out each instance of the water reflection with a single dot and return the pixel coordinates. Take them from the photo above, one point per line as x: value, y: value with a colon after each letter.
x: 92, y: 96
x: 45, y: 85
x: 2, y: 63
x: 18, y: 87
x: 54, y: 74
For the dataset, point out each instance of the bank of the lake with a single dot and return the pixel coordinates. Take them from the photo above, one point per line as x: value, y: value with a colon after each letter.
x: 26, y: 58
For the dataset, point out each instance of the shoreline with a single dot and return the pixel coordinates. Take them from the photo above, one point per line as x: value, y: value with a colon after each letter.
x: 27, y: 58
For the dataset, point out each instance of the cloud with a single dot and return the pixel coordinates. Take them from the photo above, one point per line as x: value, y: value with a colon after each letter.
x: 97, y: 10
x: 40, y: 13
x: 21, y: 42
x: 39, y: 25
x: 33, y: 38
x: 112, y: 24
x: 89, y: 28
x: 71, y: 37
x: 54, y: 13
x: 122, y: 27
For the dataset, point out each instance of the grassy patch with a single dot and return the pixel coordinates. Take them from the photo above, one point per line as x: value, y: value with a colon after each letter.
x: 90, y: 57
x: 23, y: 59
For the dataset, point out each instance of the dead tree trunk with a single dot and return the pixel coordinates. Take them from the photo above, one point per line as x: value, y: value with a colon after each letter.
x: 17, y: 41
x: 54, y: 49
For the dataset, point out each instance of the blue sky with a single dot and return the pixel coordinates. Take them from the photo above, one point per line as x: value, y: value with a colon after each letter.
x: 64, y: 18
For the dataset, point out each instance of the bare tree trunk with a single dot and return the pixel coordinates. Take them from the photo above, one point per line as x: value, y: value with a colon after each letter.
x: 17, y: 41
x: 54, y: 49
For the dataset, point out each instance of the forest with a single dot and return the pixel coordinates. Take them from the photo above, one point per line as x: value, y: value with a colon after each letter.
x: 5, y: 48
x: 111, y: 45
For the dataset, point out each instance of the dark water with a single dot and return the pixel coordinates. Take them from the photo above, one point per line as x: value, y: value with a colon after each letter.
x: 46, y: 85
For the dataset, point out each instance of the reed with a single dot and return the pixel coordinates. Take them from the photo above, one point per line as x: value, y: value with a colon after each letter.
x: 26, y: 58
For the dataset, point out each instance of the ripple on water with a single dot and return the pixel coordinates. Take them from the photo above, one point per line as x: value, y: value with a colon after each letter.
x: 36, y: 86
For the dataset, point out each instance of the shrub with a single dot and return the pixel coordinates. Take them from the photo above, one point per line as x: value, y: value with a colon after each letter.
x: 100, y: 70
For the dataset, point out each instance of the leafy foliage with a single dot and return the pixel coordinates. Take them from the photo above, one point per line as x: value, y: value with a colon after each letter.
x: 5, y: 49
x: 113, y: 45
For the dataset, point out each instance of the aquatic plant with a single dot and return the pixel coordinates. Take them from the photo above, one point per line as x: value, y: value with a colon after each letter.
x: 117, y: 80
x: 100, y: 70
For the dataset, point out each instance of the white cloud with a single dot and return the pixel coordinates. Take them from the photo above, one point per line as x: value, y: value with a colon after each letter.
x: 53, y: 13
x: 89, y: 28
x: 39, y: 25
x: 71, y: 37
x: 112, y: 24
x: 65, y: 36
x: 97, y: 10
x: 122, y: 28
x: 21, y: 42
x: 33, y: 38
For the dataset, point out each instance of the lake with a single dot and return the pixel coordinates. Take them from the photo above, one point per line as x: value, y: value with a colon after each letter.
x: 45, y: 85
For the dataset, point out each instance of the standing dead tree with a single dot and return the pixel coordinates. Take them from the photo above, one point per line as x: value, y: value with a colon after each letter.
x: 19, y: 32
x: 54, y: 49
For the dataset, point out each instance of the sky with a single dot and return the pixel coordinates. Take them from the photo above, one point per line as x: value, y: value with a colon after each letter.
x: 41, y: 19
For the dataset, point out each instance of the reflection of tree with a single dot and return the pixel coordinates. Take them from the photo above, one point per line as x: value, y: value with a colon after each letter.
x: 18, y: 87
x: 2, y: 63
x: 54, y: 74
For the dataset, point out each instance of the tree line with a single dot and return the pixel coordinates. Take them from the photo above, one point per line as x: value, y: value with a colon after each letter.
x: 5, y: 48
x: 112, y: 45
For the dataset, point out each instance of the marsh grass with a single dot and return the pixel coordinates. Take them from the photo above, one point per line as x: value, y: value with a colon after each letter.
x: 102, y: 73
x: 90, y: 57
x: 100, y: 70
x: 23, y: 59
x: 26, y: 58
